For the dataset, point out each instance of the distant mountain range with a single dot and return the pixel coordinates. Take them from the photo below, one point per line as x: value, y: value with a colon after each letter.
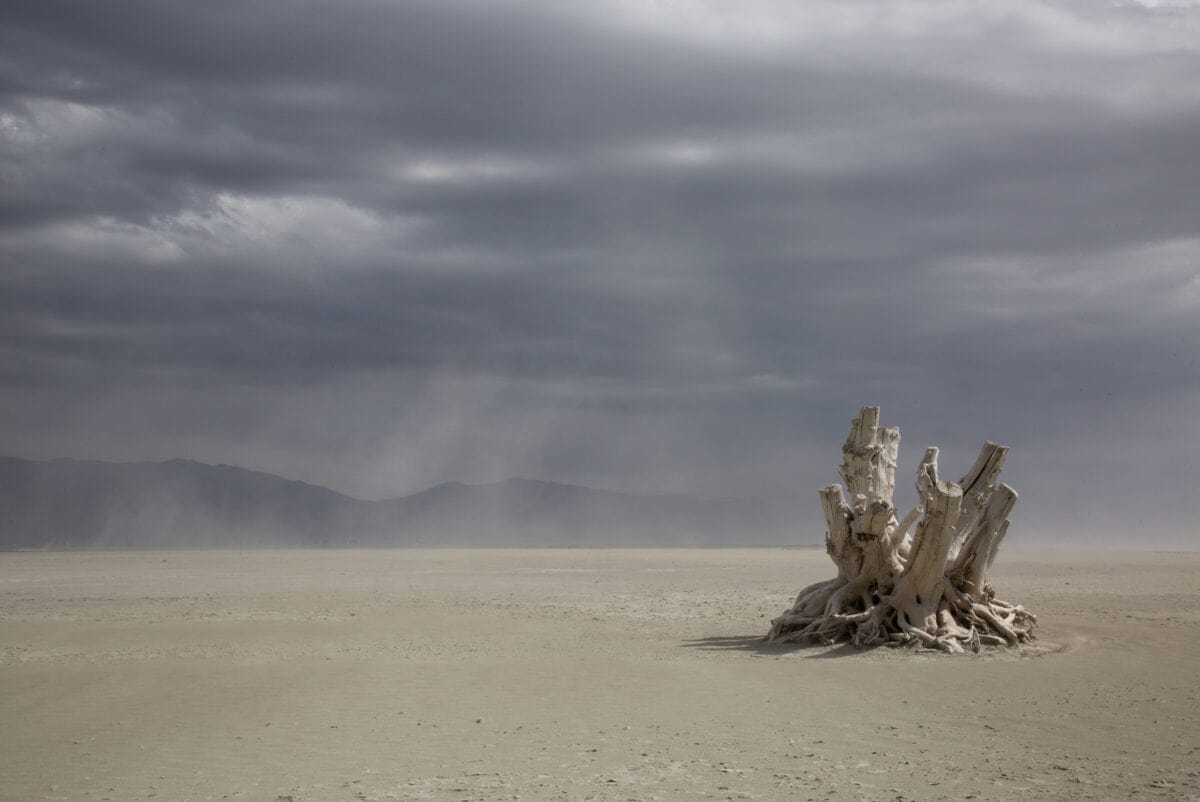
x: 66, y: 503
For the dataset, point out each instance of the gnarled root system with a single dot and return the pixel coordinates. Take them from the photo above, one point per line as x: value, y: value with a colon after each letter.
x: 926, y: 589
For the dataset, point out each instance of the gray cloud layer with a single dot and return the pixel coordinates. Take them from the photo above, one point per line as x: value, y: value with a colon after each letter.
x: 659, y: 247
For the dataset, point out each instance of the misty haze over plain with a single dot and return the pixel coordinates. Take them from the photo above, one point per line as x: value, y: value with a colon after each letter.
x: 646, y: 247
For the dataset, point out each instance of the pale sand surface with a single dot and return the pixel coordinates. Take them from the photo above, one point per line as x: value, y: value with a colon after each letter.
x: 574, y: 674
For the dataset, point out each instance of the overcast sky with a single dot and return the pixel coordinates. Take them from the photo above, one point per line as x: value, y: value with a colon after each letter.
x: 646, y: 246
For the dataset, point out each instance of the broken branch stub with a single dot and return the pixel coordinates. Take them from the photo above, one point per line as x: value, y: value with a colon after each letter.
x: 929, y: 589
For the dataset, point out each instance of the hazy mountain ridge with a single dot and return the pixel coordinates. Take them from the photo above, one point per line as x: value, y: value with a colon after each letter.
x: 66, y: 503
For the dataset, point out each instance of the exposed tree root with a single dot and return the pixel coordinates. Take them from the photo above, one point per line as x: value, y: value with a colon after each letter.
x: 928, y: 589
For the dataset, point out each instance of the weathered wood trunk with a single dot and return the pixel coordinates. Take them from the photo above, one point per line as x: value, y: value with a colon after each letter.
x: 928, y: 589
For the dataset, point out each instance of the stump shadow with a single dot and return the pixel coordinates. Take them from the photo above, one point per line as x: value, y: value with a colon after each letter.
x: 757, y: 644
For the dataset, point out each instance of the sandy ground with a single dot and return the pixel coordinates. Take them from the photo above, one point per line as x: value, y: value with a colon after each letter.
x: 574, y: 674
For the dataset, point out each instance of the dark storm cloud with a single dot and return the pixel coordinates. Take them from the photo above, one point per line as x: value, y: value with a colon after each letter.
x: 599, y: 242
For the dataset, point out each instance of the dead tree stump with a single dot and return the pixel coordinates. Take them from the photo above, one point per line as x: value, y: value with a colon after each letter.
x: 926, y: 589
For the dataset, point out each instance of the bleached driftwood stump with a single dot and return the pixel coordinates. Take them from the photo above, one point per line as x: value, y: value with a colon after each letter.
x: 929, y: 588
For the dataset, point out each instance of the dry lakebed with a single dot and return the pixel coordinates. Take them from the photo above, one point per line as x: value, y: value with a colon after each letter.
x: 575, y: 674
